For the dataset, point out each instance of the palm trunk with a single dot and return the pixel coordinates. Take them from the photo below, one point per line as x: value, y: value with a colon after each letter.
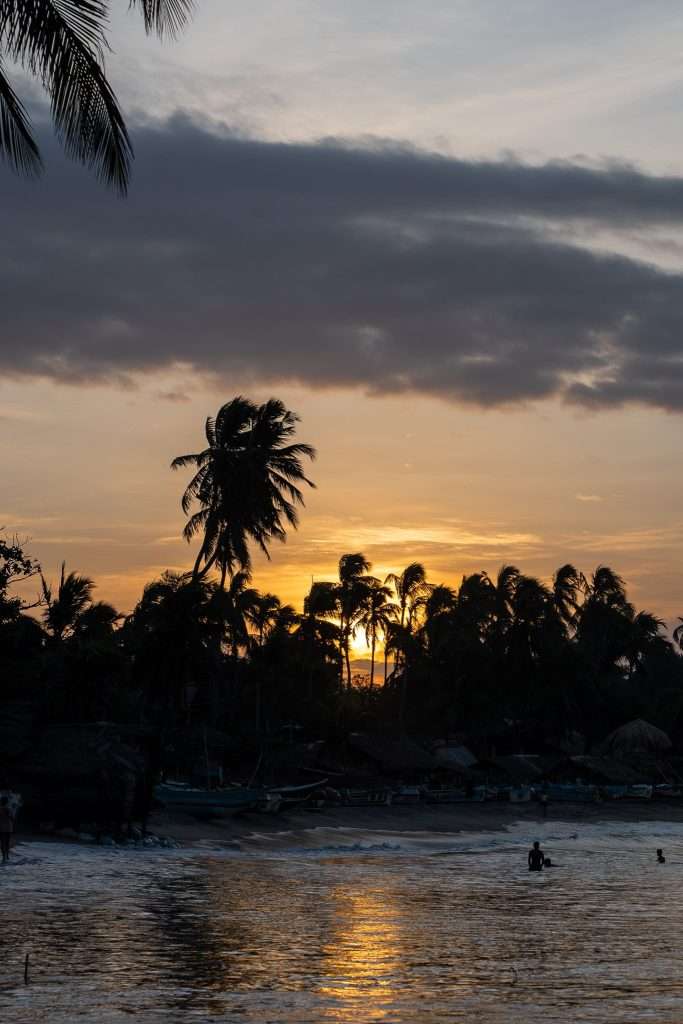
x: 348, y: 665
x: 372, y: 661
x: 386, y: 660
x: 342, y: 645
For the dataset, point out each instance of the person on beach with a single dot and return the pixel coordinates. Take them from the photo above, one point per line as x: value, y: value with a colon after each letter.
x: 536, y: 857
x: 6, y: 828
x: 661, y: 859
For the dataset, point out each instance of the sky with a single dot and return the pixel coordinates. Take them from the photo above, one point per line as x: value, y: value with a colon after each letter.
x: 447, y: 234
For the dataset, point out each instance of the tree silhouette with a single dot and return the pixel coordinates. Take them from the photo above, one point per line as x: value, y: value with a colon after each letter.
x: 246, y: 484
x: 352, y: 591
x: 64, y: 607
x: 376, y: 613
x: 62, y: 43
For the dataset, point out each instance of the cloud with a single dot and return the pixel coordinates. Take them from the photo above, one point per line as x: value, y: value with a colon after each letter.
x: 175, y: 397
x: 330, y: 265
x: 588, y: 497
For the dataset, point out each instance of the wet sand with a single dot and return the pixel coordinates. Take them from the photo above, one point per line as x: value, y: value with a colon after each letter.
x: 493, y: 816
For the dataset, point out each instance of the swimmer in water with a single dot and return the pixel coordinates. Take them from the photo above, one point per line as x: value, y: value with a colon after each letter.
x: 661, y: 859
x: 536, y: 857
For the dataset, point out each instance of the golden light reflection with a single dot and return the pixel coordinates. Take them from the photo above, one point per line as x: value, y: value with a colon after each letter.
x: 363, y: 958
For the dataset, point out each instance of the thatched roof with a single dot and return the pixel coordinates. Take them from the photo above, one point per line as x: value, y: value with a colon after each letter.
x: 455, y: 756
x: 393, y: 754
x: 637, y: 736
x: 598, y: 769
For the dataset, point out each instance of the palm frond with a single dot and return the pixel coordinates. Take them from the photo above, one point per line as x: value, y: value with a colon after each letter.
x: 17, y: 145
x: 165, y: 17
x: 62, y: 42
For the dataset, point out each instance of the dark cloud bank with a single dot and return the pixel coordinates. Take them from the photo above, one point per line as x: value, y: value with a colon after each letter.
x: 335, y: 266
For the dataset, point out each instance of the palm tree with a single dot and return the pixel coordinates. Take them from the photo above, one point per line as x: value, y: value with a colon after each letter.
x: 377, y: 613
x: 63, y: 609
x: 678, y: 633
x: 567, y: 585
x: 174, y: 631
x: 352, y: 590
x: 235, y: 607
x: 246, y: 484
x: 264, y: 614
x: 410, y: 586
x: 62, y: 43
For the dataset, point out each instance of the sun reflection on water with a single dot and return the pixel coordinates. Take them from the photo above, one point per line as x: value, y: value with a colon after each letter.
x: 364, y: 956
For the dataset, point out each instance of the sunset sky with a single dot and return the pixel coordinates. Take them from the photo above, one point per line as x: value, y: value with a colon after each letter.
x: 447, y: 234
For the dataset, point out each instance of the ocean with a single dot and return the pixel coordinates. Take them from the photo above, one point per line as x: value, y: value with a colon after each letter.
x: 350, y: 926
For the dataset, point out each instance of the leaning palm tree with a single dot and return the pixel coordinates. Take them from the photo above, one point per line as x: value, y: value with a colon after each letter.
x: 62, y: 43
x: 246, y: 484
x: 377, y: 612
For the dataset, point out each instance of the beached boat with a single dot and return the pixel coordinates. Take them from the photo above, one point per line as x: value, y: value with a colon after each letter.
x: 667, y: 791
x: 294, y: 796
x: 519, y: 794
x: 232, y: 800
x: 560, y: 792
x: 407, y: 795
x: 367, y: 797
x: 455, y: 795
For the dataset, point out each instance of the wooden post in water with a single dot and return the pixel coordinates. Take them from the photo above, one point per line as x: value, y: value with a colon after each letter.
x: 26, y: 969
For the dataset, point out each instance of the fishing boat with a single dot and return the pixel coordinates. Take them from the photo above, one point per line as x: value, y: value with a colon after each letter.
x: 407, y: 795
x: 455, y: 795
x: 294, y: 796
x: 367, y: 797
x: 231, y: 800
x: 560, y: 792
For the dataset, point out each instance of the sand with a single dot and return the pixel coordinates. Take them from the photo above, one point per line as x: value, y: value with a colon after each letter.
x: 233, y: 831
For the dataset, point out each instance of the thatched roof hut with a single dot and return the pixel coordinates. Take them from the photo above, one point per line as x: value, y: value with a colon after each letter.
x: 636, y: 737
x: 597, y: 770
x: 455, y: 756
x: 392, y: 754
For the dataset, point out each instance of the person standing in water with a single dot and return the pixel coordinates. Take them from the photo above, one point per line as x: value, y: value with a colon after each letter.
x: 6, y: 828
x: 661, y: 859
x: 536, y: 857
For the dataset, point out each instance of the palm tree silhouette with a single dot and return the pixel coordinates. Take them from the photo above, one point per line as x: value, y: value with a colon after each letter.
x: 264, y: 614
x: 62, y: 43
x: 352, y: 590
x: 318, y: 626
x: 410, y: 586
x: 64, y: 608
x: 235, y: 607
x: 246, y: 484
x: 376, y: 613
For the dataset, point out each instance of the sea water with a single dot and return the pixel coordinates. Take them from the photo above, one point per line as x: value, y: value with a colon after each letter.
x: 349, y: 926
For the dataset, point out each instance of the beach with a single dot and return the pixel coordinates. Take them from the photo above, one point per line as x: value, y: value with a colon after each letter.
x: 449, y: 818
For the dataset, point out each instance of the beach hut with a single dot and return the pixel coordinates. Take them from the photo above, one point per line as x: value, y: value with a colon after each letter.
x: 455, y: 757
x: 636, y: 737
x: 392, y: 755
x: 596, y: 770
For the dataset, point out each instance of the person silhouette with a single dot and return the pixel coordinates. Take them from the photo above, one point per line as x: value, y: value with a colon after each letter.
x: 661, y: 859
x: 6, y: 828
x: 536, y: 857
